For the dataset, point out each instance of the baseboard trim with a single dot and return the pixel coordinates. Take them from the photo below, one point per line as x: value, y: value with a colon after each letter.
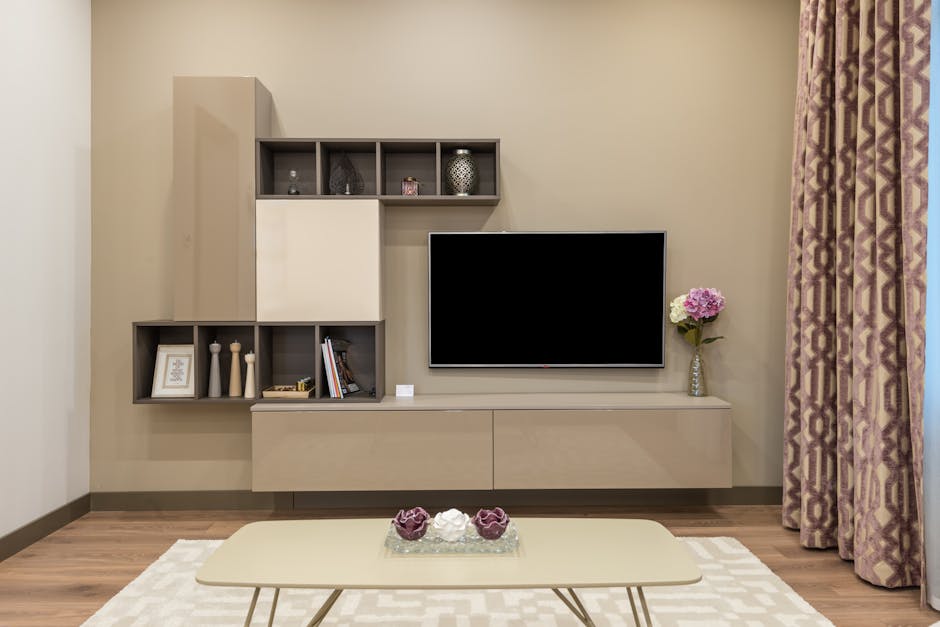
x: 38, y: 529
x: 286, y: 501
x: 190, y: 500
x: 743, y: 495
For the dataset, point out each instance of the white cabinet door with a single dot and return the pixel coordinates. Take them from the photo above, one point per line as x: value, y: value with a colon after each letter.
x: 319, y: 259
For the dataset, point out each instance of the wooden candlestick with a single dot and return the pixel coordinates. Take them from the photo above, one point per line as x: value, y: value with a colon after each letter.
x: 235, y: 380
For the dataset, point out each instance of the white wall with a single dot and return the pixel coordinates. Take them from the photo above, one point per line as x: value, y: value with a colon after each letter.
x: 45, y: 258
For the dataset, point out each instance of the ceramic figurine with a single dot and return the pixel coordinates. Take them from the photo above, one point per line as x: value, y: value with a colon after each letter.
x: 235, y: 380
x: 215, y: 376
x: 250, y: 375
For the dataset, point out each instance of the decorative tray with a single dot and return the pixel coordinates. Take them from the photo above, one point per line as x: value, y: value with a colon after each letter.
x: 471, y: 542
x: 285, y: 391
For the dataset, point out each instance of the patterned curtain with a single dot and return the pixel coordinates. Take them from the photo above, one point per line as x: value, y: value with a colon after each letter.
x: 853, y: 433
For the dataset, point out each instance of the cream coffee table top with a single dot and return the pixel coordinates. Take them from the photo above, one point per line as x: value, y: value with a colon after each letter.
x: 552, y: 553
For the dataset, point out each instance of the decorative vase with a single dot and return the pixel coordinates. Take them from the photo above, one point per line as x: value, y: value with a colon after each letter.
x: 215, y: 375
x: 344, y: 177
x: 697, y: 374
x: 461, y: 173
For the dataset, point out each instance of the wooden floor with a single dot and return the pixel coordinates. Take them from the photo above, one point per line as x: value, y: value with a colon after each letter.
x: 64, y: 578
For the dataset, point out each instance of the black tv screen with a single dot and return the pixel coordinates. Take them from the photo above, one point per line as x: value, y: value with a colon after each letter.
x: 498, y: 299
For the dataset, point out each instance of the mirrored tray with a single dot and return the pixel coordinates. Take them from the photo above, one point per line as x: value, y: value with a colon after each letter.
x: 471, y: 542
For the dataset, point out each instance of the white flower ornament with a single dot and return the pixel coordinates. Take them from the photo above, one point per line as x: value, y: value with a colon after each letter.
x: 450, y: 525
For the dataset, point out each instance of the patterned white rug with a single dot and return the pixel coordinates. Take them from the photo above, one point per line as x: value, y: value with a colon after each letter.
x: 736, y: 589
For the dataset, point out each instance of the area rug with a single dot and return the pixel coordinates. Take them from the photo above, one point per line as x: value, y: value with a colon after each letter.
x: 736, y: 589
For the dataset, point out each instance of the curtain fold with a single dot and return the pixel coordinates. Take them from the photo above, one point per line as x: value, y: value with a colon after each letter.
x: 853, y: 430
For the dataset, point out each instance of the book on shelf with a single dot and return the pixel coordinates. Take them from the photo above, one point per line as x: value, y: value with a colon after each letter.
x: 329, y: 368
x: 337, y: 372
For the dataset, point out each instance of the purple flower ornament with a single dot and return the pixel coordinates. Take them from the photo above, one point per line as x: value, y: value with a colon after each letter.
x: 491, y: 523
x: 411, y: 524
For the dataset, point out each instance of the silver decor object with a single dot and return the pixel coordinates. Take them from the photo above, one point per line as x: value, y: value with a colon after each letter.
x: 293, y: 182
x: 461, y: 173
x: 697, y: 374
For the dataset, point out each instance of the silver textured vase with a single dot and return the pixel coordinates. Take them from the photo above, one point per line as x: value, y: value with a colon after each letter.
x: 697, y: 385
x: 461, y: 173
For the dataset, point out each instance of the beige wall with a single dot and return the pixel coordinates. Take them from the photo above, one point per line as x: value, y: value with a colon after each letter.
x: 640, y: 114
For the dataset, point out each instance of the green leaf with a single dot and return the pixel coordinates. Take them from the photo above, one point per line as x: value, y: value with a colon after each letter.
x: 713, y: 339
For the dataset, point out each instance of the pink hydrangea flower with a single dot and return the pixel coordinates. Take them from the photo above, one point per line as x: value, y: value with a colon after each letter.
x: 704, y: 302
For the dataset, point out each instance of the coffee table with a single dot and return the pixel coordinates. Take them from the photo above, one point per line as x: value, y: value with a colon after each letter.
x: 553, y: 553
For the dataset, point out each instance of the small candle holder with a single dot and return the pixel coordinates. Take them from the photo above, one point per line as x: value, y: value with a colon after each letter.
x: 293, y: 182
x: 409, y: 186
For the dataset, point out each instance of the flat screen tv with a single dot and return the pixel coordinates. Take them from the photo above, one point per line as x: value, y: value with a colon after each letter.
x: 567, y: 300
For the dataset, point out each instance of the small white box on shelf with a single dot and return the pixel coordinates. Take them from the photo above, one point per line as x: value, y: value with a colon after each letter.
x: 405, y: 390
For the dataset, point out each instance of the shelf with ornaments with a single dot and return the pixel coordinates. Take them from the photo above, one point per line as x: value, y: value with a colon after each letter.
x: 396, y: 171
x: 232, y: 340
x: 281, y: 354
x: 199, y: 339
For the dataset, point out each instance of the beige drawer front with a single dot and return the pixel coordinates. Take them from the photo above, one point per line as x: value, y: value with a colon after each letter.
x: 573, y: 449
x: 372, y: 450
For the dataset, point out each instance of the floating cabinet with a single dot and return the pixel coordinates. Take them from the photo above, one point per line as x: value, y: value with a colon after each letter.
x: 319, y: 259
x: 285, y: 352
x: 555, y: 441
x: 216, y: 121
x: 369, y: 450
x: 382, y: 164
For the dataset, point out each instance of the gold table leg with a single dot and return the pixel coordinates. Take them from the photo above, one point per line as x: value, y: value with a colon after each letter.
x: 636, y: 617
x: 321, y: 614
x: 576, y: 607
x: 277, y: 593
x: 251, y: 608
x: 646, y: 610
x: 647, y: 619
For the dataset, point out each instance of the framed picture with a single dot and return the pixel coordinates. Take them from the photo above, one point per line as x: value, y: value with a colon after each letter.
x: 173, y: 372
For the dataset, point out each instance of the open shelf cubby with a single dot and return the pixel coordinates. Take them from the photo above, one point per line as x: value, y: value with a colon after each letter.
x: 365, y: 357
x: 225, y: 334
x: 288, y: 353
x: 362, y: 156
x: 285, y: 353
x: 147, y: 337
x: 418, y: 159
x: 382, y: 164
x: 275, y: 160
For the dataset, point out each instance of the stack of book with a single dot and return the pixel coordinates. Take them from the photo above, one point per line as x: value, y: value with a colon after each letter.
x: 339, y: 377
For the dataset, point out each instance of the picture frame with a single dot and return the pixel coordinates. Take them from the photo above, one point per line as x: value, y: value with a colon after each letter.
x: 174, y: 371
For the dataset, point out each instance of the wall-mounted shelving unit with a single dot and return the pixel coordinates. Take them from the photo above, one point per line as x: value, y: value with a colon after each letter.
x: 286, y: 352
x: 382, y: 164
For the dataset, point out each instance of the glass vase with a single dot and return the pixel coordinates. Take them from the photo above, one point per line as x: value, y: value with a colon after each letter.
x: 697, y: 374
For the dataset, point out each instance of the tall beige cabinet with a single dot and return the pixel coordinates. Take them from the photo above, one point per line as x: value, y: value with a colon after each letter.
x: 216, y: 121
